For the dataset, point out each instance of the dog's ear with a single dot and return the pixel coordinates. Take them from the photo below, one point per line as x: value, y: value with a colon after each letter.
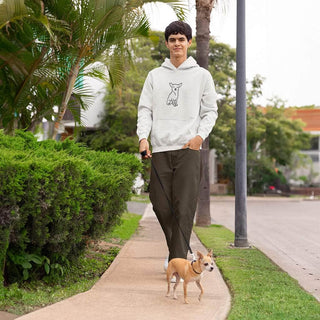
x: 210, y: 253
x: 200, y: 255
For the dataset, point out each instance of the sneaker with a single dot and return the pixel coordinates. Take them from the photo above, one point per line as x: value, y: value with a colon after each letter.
x: 174, y: 280
x: 165, y: 266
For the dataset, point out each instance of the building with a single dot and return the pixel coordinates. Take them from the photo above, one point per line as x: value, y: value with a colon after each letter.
x: 307, y: 174
x: 311, y: 171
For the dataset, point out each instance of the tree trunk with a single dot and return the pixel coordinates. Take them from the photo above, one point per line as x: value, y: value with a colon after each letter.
x: 203, y: 217
x: 4, y: 243
x: 66, y: 97
x: 204, y: 8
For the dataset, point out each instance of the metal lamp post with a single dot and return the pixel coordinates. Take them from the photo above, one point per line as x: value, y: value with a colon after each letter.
x: 241, y: 137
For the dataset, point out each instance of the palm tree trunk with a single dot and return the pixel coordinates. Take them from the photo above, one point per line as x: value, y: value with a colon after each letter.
x: 73, y: 74
x: 204, y: 8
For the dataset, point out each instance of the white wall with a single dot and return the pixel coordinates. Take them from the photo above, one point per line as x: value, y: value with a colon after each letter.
x: 92, y: 116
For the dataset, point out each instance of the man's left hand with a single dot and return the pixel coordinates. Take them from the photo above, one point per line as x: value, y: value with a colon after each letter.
x: 194, y: 144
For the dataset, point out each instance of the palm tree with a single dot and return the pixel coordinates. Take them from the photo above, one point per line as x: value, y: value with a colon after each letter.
x: 99, y: 31
x: 25, y: 64
x: 46, y: 46
x: 204, y: 8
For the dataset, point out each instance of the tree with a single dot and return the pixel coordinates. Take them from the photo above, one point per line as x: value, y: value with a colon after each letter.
x: 204, y: 8
x: 117, y: 129
x: 98, y: 30
x: 27, y: 76
x: 46, y: 47
x: 272, y: 140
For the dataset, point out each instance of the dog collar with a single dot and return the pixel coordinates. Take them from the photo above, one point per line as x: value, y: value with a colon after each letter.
x: 193, y: 268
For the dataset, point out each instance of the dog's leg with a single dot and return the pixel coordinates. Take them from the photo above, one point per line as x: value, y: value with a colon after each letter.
x: 201, y: 289
x: 176, y: 285
x: 169, y: 277
x: 168, y: 291
x: 185, y: 292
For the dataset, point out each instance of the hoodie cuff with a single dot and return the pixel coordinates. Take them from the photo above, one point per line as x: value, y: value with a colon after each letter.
x: 202, y: 135
x: 142, y: 137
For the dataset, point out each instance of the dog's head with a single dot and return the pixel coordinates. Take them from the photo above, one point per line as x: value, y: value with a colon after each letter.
x: 206, y: 262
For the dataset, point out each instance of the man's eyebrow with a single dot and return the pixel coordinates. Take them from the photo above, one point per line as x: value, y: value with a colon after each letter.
x: 180, y: 38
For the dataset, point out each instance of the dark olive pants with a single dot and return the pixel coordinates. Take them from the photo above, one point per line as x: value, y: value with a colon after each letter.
x: 179, y: 172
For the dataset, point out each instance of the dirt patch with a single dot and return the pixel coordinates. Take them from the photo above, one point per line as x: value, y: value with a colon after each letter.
x: 103, y: 246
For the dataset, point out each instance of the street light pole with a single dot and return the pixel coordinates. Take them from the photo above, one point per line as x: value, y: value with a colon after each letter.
x: 241, y: 136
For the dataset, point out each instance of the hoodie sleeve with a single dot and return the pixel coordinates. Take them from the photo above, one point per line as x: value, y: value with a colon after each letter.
x: 208, y: 108
x: 144, y: 122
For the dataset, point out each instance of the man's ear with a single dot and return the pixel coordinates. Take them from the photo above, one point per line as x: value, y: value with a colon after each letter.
x: 166, y: 42
x: 189, y: 43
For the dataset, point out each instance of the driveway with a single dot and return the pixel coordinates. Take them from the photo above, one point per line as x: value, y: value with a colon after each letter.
x: 287, y: 230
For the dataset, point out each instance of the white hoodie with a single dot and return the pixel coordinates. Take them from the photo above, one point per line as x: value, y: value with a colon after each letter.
x: 176, y: 104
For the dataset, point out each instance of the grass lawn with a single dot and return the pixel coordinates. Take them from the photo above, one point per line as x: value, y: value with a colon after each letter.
x: 259, y: 288
x: 29, y: 296
x: 143, y: 198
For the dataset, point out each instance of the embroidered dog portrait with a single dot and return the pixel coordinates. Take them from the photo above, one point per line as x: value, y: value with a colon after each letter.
x: 174, y: 94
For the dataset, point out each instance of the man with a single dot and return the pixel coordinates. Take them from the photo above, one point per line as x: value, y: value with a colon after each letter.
x: 178, y: 106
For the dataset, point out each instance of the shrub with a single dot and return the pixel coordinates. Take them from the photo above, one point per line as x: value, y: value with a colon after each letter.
x: 53, y: 197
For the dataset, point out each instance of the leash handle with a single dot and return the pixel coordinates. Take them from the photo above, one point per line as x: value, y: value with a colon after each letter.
x: 143, y: 153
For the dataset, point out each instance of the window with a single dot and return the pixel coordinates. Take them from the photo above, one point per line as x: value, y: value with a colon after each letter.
x: 314, y: 157
x: 314, y: 144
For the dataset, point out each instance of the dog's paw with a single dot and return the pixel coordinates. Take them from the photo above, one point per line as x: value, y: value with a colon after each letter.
x: 175, y: 297
x: 186, y: 301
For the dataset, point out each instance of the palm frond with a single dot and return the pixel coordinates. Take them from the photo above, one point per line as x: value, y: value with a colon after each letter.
x: 11, y: 10
x: 180, y: 8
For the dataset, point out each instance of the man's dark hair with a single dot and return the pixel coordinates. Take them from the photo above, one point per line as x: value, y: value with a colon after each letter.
x: 178, y: 27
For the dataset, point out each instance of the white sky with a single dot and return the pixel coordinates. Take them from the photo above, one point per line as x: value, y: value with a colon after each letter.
x: 282, y: 40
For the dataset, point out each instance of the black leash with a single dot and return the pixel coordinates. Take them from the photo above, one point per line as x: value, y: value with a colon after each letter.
x: 143, y: 154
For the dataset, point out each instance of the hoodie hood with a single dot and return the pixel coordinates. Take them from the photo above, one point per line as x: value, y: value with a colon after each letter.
x: 187, y: 64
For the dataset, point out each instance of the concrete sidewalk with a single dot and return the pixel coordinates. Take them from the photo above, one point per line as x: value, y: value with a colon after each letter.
x: 134, y: 287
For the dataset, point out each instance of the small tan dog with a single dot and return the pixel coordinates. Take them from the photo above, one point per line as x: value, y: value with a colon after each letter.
x: 188, y: 271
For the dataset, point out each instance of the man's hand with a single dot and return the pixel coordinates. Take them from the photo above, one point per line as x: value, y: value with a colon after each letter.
x: 144, y: 146
x: 194, y: 144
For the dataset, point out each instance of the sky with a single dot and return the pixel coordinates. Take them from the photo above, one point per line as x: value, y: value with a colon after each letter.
x: 282, y: 43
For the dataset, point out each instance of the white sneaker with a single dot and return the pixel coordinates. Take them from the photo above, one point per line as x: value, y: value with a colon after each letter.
x: 165, y: 266
x: 174, y: 280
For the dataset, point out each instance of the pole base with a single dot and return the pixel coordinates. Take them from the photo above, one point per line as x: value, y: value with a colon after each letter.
x: 241, y: 243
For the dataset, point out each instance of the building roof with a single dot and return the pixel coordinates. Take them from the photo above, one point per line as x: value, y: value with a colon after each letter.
x: 311, y: 117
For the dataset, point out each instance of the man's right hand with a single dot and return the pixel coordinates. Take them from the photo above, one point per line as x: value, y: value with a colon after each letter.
x: 144, y: 146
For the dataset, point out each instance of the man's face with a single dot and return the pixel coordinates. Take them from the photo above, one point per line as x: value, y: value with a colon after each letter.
x: 178, y: 45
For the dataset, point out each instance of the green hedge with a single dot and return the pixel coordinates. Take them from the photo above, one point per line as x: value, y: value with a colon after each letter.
x: 53, y: 197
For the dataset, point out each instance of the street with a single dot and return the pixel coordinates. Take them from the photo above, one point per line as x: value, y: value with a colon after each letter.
x: 287, y: 230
